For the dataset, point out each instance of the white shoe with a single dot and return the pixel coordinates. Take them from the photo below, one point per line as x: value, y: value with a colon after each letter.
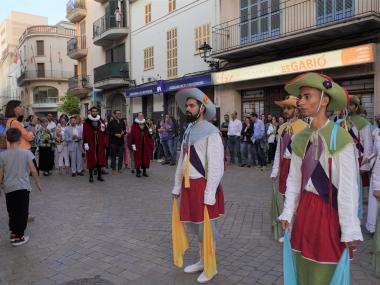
x: 196, y: 267
x: 203, y: 278
x: 281, y: 239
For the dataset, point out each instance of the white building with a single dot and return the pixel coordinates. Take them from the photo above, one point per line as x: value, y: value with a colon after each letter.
x: 165, y: 37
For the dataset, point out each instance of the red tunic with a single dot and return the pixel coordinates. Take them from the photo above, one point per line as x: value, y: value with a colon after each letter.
x: 90, y: 135
x: 144, y: 148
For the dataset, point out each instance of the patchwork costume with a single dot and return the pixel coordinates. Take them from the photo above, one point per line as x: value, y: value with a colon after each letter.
x: 322, y: 189
x: 199, y: 172
x: 285, y: 134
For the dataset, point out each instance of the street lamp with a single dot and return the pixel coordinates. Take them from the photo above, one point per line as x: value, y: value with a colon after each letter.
x: 205, y: 54
x: 84, y: 81
x: 125, y: 74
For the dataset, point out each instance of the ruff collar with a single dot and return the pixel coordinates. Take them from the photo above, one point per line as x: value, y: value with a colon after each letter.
x: 140, y: 122
x: 97, y: 118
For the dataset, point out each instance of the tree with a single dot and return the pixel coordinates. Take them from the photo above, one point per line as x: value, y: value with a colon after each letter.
x: 70, y: 104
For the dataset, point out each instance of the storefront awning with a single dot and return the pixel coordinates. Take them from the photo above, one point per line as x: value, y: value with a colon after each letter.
x: 161, y: 86
x: 325, y: 60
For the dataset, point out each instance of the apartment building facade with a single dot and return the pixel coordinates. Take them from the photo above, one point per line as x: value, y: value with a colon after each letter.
x: 267, y: 42
x: 80, y: 47
x: 10, y: 31
x: 165, y: 37
x: 44, y: 68
x: 111, y: 68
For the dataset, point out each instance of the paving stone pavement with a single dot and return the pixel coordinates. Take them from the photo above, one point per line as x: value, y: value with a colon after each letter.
x: 119, y: 232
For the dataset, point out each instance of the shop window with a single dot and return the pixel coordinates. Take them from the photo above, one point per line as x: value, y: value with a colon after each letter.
x: 201, y: 35
x: 260, y: 20
x: 172, y: 5
x: 334, y: 10
x: 148, y: 13
x: 148, y: 58
x: 253, y: 102
x: 171, y: 52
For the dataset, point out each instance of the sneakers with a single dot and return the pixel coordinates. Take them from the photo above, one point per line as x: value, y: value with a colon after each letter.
x: 203, y: 278
x: 196, y: 267
x: 20, y: 241
x: 12, y: 237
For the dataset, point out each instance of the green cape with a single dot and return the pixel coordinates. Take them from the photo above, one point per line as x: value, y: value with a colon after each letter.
x: 359, y: 122
x: 301, y: 140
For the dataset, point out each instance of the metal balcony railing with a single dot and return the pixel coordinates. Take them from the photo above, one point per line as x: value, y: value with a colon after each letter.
x: 76, y: 43
x: 278, y: 19
x: 111, y: 71
x: 106, y: 23
x: 44, y: 74
x: 81, y: 81
x: 75, y: 4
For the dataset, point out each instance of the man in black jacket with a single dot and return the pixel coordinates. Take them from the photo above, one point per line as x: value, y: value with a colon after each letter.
x: 117, y: 132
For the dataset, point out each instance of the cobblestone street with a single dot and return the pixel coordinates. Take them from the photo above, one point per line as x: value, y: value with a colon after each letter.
x: 119, y: 231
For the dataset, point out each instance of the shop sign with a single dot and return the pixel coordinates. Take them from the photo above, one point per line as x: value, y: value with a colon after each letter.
x: 193, y: 81
x: 338, y: 58
x: 141, y: 91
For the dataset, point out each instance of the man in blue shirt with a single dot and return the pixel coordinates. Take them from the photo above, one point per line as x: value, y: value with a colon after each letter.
x: 258, y: 139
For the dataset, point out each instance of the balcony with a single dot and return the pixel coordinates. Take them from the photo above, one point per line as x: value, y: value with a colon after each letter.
x: 111, y: 75
x: 107, y: 29
x: 101, y: 1
x: 77, y: 48
x: 46, y: 30
x: 80, y: 86
x: 285, y: 27
x: 46, y: 102
x: 43, y: 75
x: 76, y: 10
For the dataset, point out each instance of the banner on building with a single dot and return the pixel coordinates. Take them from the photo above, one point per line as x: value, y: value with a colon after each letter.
x: 332, y: 59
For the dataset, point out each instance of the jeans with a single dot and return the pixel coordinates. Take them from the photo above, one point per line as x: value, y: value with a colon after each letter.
x: 259, y: 147
x: 246, y: 153
x: 173, y: 149
x: 18, y: 211
x: 166, y: 148
x: 117, y: 150
x: 234, y: 147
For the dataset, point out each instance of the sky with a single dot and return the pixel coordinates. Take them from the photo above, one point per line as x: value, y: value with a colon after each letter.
x: 55, y: 10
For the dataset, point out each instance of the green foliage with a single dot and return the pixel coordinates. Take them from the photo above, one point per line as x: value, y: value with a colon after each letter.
x: 70, y: 104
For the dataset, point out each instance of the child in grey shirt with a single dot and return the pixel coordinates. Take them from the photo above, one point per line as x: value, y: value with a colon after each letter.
x: 16, y: 164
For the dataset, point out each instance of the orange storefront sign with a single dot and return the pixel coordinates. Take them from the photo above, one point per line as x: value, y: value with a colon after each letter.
x: 332, y: 59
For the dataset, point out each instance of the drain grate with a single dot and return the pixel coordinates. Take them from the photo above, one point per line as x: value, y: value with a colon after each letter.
x: 89, y: 281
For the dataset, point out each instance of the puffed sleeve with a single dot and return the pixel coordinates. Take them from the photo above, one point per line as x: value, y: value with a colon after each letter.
x: 215, y: 167
x: 293, y: 188
x: 276, y: 162
x: 348, y: 194
x: 178, y: 174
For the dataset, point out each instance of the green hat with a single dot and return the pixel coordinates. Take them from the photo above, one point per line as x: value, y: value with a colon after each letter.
x: 356, y: 100
x: 338, y: 96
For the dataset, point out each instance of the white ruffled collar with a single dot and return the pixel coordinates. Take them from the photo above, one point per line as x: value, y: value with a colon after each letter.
x: 139, y: 122
x: 97, y: 118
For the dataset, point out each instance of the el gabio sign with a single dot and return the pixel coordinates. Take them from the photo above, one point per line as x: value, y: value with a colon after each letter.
x: 332, y: 59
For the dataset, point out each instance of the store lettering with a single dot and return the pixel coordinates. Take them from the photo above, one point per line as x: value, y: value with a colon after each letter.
x: 305, y: 64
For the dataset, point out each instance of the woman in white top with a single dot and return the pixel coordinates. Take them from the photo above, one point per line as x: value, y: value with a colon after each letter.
x: 271, y: 133
x: 61, y: 151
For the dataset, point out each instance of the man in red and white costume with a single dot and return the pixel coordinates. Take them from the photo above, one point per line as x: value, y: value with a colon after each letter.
x: 200, y: 169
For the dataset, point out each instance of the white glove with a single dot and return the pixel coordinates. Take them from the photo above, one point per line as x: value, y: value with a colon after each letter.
x: 102, y: 127
x: 86, y: 147
x: 134, y: 147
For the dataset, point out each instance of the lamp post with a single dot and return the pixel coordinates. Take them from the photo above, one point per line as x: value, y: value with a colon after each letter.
x: 84, y: 81
x: 205, y: 54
